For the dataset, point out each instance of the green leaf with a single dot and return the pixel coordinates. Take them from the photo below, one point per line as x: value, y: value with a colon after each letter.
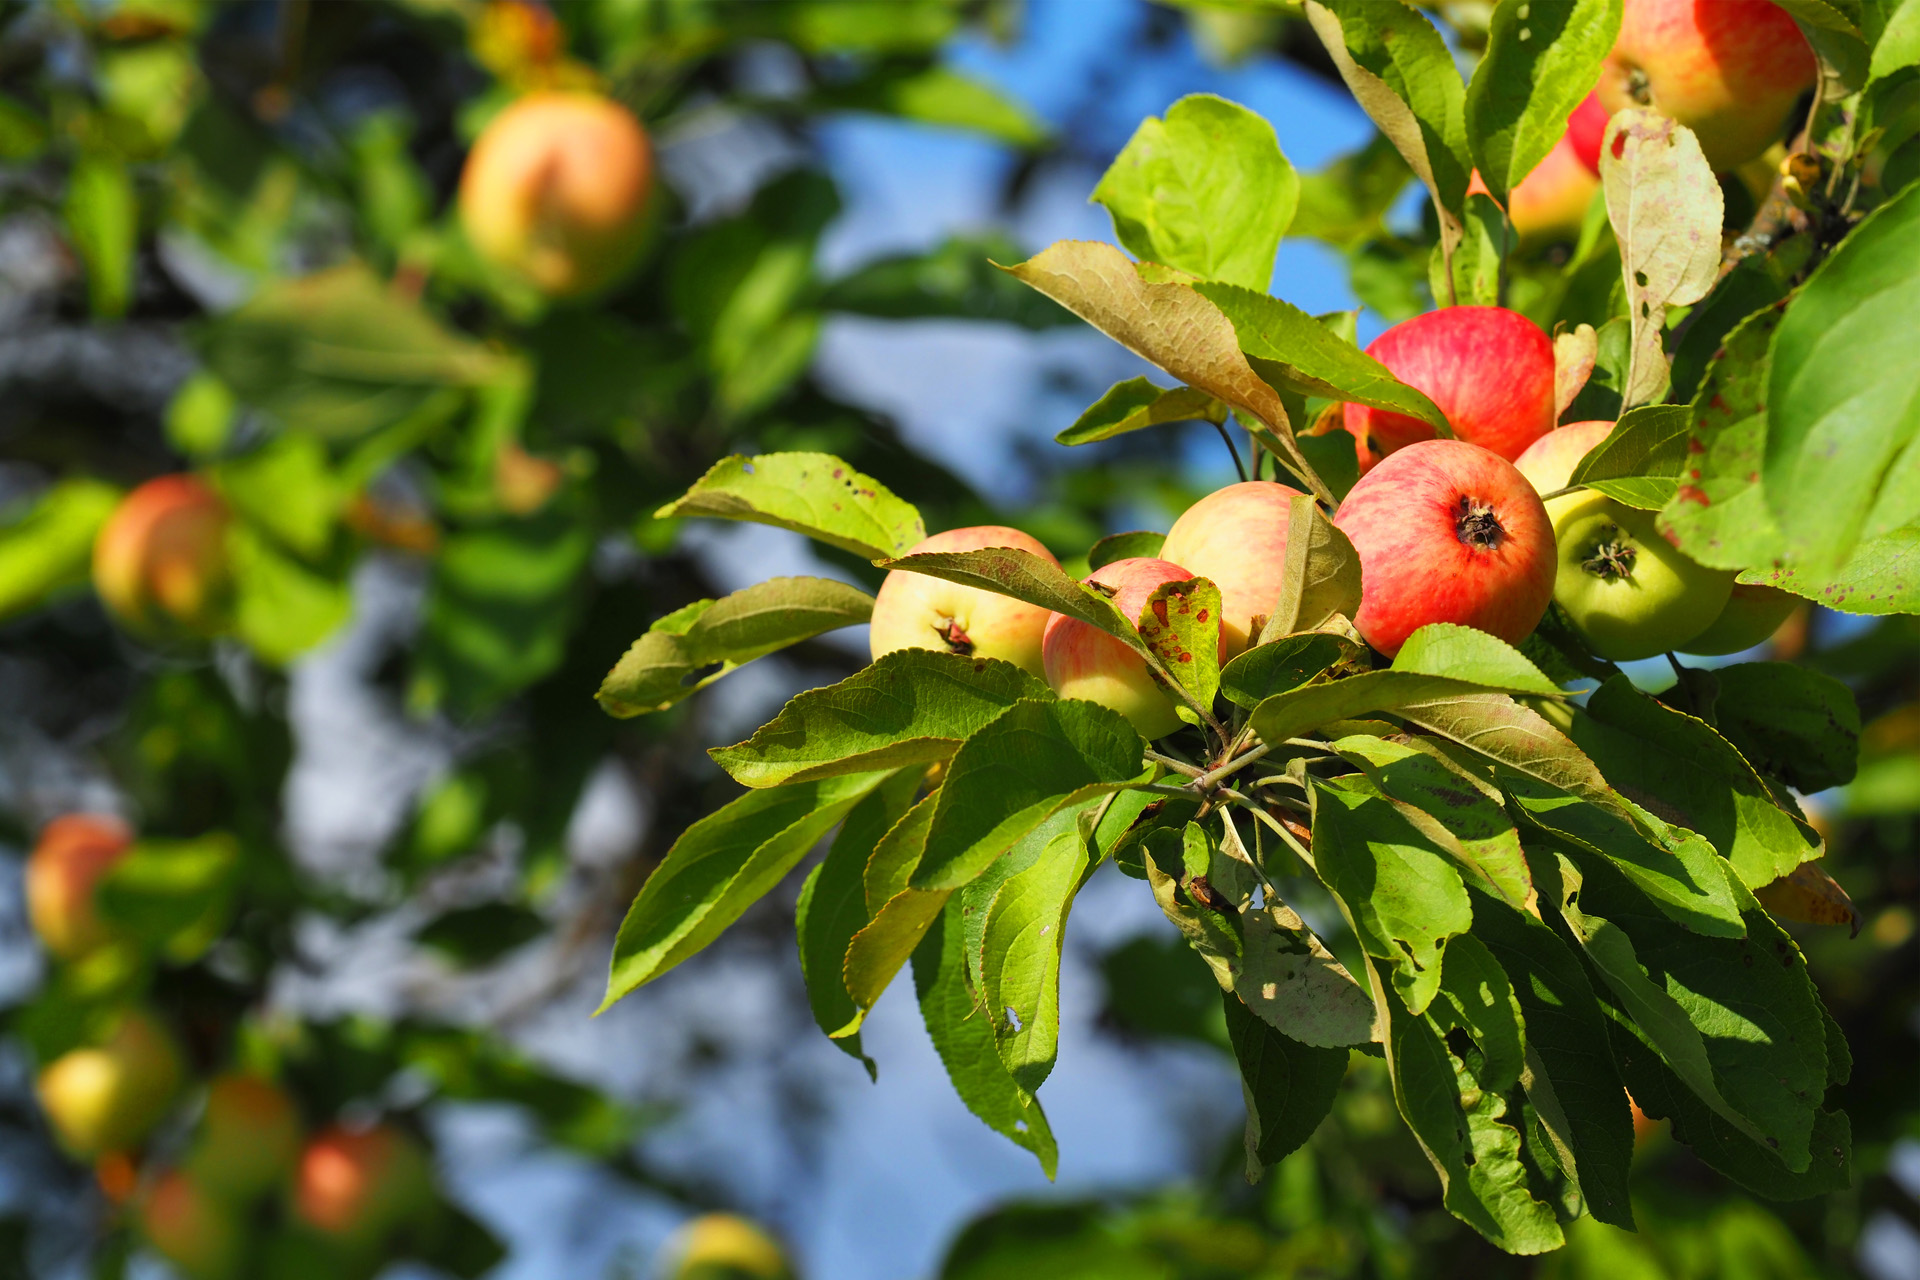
x: 833, y: 907
x: 1322, y: 578
x: 900, y: 913
x: 282, y: 608
x: 1518, y: 738
x: 912, y: 706
x: 1125, y: 546
x: 1269, y: 669
x: 720, y: 866
x: 1639, y: 462
x: 956, y: 279
x: 1477, y: 997
x: 1436, y: 661
x: 1798, y: 725
x: 1207, y: 191
x: 936, y: 95
x: 1289, y: 1087
x: 482, y: 933
x: 1403, y: 895
x: 1180, y: 624
x: 46, y: 545
x: 1842, y: 460
x: 1035, y: 758
x: 1136, y: 404
x: 1346, y: 203
x: 103, y: 218
x: 1899, y: 44
x: 1286, y: 976
x: 1571, y: 1079
x: 1022, y: 929
x: 339, y: 353
x: 173, y: 895
x: 811, y: 493
x: 964, y: 1040
x: 1541, y: 60
x: 285, y: 488
x: 1666, y: 209
x: 674, y: 659
x: 1292, y: 350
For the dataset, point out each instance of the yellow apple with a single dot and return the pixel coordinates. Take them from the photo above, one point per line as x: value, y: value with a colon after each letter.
x: 915, y: 611
x: 1237, y: 537
x: 107, y: 1096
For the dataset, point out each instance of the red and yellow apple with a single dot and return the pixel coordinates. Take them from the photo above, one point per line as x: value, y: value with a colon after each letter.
x: 917, y: 611
x: 1237, y: 537
x: 724, y: 1246
x: 1730, y: 70
x: 160, y: 562
x: 356, y: 1186
x: 1083, y: 661
x: 193, y: 1228
x: 249, y: 1137
x: 107, y: 1096
x: 1753, y: 613
x: 73, y: 853
x: 1549, y: 462
x: 1448, y: 532
x: 555, y: 188
x: 1488, y: 369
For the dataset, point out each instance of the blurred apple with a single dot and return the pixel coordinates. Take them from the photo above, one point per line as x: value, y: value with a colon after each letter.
x: 1753, y: 613
x: 1083, y: 661
x: 357, y: 1186
x: 915, y: 611
x: 73, y: 853
x: 249, y: 1137
x: 107, y: 1096
x: 555, y: 188
x: 161, y: 562
x: 723, y: 1246
x: 1237, y: 537
x: 194, y: 1229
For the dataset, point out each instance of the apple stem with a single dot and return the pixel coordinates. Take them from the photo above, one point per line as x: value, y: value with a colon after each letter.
x: 1610, y: 561
x: 1178, y: 766
x: 1561, y: 493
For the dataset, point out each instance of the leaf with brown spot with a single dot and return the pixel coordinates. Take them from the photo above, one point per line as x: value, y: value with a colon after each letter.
x: 1808, y: 894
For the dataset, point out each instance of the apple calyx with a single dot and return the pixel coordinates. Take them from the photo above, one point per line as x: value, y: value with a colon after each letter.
x: 1478, y: 527
x: 955, y: 639
x: 1640, y: 87
x: 1610, y: 561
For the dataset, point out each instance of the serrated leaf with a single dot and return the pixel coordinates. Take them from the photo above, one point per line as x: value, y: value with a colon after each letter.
x: 1035, y: 758
x: 692, y: 647
x: 1180, y: 625
x: 1640, y: 460
x: 1842, y: 458
x: 1125, y: 546
x: 1541, y: 60
x: 1207, y: 190
x: 1269, y: 669
x: 900, y: 914
x: 912, y: 706
x: 963, y: 1038
x: 1289, y: 1087
x: 1666, y: 209
x: 1322, y: 578
x: 811, y: 493
x: 720, y: 866
x: 1286, y: 976
x: 1137, y: 404
x: 1403, y: 895
x: 1437, y: 661
x: 1796, y: 724
x: 1500, y: 730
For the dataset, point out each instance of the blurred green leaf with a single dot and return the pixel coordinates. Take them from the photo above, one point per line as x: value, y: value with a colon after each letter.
x: 935, y: 95
x: 282, y: 607
x: 103, y: 218
x: 1344, y: 203
x: 955, y: 280
x: 480, y: 934
x: 173, y: 895
x: 47, y: 545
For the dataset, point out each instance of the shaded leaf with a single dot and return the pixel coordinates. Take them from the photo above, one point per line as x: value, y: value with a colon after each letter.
x: 1287, y: 978
x: 1136, y: 404
x: 1289, y: 1087
x: 1540, y: 62
x: 956, y: 279
x: 1269, y: 669
x: 1796, y: 724
x: 1125, y: 546
x: 1322, y: 579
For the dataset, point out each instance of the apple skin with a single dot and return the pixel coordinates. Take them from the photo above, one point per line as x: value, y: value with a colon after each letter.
x: 554, y: 190
x: 916, y: 611
x: 249, y: 1138
x: 1730, y: 70
x: 160, y: 562
x: 73, y: 853
x: 1549, y: 461
x: 1654, y: 600
x: 1083, y: 661
x: 193, y: 1228
x: 355, y: 1186
x: 1448, y: 532
x: 1489, y: 369
x: 721, y: 1246
x: 1237, y: 537
x: 1753, y: 613
x: 106, y: 1097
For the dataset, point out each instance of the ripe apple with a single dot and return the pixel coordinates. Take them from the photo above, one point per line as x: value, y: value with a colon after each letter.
x: 1730, y: 70
x: 1448, y: 532
x: 249, y: 1137
x: 1628, y: 590
x: 1489, y: 370
x: 554, y: 190
x: 1550, y: 203
x: 104, y: 1097
x: 916, y: 611
x: 1549, y: 461
x: 722, y: 1246
x: 1753, y: 613
x: 1236, y: 536
x: 160, y: 562
x: 193, y: 1228
x: 74, y: 851
x: 1083, y: 661
x: 357, y: 1185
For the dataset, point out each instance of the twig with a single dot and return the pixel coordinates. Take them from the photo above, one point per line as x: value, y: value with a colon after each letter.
x: 1178, y: 766
x: 1227, y: 440
x: 1207, y: 781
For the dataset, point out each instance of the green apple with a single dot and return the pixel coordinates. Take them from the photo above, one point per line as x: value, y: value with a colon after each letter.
x: 1630, y: 592
x: 1752, y: 615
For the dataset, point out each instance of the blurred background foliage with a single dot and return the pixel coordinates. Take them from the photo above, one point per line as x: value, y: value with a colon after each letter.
x: 228, y: 245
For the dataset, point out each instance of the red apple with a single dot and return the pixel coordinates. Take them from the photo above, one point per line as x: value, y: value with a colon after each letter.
x: 1489, y: 370
x: 1730, y: 70
x: 1752, y: 615
x: 249, y: 1137
x: 74, y: 851
x: 160, y: 562
x: 1237, y: 537
x: 1083, y: 661
x: 104, y: 1097
x: 916, y: 611
x: 1448, y: 532
x: 724, y: 1246
x: 554, y: 190
x: 192, y: 1228
x: 358, y: 1185
x: 1586, y: 127
x: 1549, y: 461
